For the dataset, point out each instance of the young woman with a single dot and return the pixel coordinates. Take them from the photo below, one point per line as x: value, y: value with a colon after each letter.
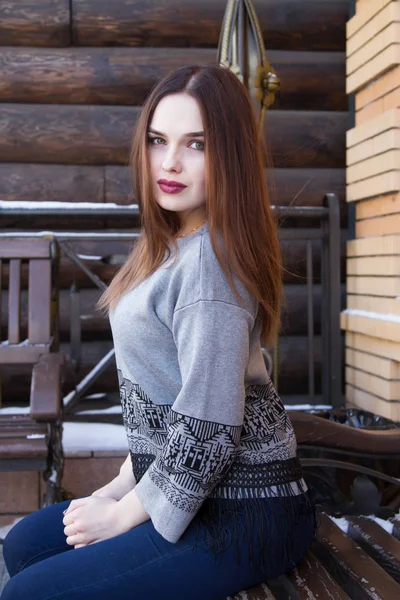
x: 211, y: 498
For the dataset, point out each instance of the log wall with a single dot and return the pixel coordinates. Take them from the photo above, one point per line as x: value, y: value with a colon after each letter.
x: 75, y: 73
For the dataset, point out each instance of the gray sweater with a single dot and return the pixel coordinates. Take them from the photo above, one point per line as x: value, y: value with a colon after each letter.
x: 201, y: 414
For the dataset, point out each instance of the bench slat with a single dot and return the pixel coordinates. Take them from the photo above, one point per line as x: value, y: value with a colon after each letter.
x: 11, y: 355
x: 312, y: 581
x: 23, y: 248
x: 378, y: 543
x: 39, y: 298
x: 357, y: 573
x: 259, y: 592
x: 1, y: 297
x: 9, y: 429
x: 18, y: 448
x: 15, y: 426
x: 14, y: 301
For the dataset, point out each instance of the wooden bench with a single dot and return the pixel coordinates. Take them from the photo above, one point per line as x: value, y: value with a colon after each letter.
x: 354, y: 557
x: 32, y: 441
x: 362, y: 563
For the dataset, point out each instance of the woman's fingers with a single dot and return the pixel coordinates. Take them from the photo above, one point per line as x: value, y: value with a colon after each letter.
x: 74, y: 539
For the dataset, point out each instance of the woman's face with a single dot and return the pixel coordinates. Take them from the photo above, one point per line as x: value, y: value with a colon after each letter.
x: 176, y: 153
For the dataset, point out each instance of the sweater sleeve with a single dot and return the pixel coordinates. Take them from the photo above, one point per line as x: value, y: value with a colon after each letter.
x: 205, y: 421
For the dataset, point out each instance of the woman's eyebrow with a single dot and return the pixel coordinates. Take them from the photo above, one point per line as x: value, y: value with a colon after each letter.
x: 193, y: 134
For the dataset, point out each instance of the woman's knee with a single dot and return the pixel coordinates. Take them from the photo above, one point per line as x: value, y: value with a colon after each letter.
x: 40, y: 534
x: 14, y: 548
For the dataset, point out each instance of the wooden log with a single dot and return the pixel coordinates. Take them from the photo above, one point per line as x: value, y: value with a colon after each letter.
x: 98, y: 135
x: 96, y: 327
x: 293, y: 370
x: 71, y: 183
x: 35, y: 23
x: 126, y: 75
x: 67, y: 134
x: 59, y: 183
x: 285, y: 24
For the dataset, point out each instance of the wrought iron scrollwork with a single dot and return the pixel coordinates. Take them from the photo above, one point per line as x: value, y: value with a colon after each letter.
x: 241, y: 49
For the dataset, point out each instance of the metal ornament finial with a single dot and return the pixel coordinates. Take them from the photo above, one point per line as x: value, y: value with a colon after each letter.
x: 241, y: 50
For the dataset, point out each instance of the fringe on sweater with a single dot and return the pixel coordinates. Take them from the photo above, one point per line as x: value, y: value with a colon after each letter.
x: 247, y: 524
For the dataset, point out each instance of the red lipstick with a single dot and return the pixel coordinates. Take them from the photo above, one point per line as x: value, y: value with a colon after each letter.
x: 171, y: 187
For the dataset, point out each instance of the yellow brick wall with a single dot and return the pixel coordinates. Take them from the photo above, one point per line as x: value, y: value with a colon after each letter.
x: 372, y: 316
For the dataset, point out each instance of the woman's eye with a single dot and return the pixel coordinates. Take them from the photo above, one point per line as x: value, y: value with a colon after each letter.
x: 200, y: 145
x: 155, y: 140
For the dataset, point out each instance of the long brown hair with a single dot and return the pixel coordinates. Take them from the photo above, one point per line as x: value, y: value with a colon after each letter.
x: 243, y: 231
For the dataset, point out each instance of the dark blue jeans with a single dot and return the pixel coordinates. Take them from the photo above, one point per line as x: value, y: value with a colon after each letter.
x: 137, y: 565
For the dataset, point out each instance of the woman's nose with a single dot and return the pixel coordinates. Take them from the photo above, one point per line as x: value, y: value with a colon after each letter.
x: 171, y: 161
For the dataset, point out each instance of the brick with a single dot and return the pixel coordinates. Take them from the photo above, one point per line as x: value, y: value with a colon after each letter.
x: 388, y: 287
x: 387, y: 328
x: 373, y: 304
x: 383, y: 85
x: 362, y: 399
x: 84, y: 475
x: 378, y: 207
x: 383, y: 246
x: 387, y: 225
x: 389, y: 14
x: 388, y: 58
x: 370, y: 167
x: 373, y: 345
x: 373, y: 265
x: 389, y: 120
x: 391, y: 100
x: 384, y: 183
x: 370, y: 112
x: 385, y: 389
x: 389, y: 35
x: 389, y: 140
x: 365, y: 12
x: 375, y: 365
x: 19, y: 491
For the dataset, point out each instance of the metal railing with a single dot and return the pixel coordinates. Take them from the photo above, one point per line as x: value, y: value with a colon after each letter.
x: 328, y: 233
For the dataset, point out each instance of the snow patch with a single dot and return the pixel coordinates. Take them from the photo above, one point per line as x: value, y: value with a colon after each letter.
x: 340, y: 522
x: 94, y: 437
x: 386, y: 525
x: 373, y: 315
x: 15, y: 410
x: 396, y: 517
x: 112, y: 410
x: 67, y: 206
x: 308, y: 407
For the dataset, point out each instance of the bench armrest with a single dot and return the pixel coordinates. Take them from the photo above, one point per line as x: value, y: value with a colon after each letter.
x: 313, y: 430
x: 46, y: 398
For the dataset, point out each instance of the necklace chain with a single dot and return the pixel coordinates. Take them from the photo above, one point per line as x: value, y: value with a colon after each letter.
x: 182, y: 235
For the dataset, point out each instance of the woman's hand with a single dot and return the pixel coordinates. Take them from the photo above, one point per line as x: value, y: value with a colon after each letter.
x: 116, y: 489
x: 92, y: 519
